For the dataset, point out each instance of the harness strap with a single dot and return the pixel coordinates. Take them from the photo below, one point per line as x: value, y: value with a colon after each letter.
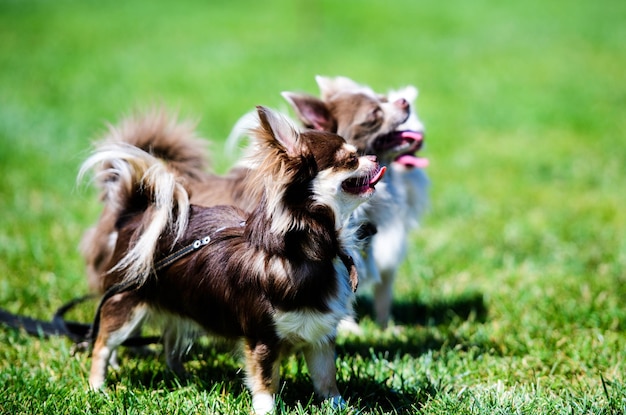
x: 125, y: 286
x: 170, y: 259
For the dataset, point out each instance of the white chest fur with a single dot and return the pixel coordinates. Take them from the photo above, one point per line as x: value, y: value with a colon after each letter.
x: 312, y: 326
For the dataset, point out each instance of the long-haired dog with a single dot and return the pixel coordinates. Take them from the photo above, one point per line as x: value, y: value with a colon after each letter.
x: 279, y: 277
x: 175, y: 143
x: 386, y: 126
x: 162, y: 136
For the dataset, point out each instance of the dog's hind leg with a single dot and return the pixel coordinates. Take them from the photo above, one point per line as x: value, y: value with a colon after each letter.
x: 178, y: 337
x: 383, y: 297
x: 262, y: 374
x: 172, y: 354
x: 119, y: 317
x: 320, y: 359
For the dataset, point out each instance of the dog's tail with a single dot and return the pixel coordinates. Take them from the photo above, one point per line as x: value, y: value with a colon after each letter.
x: 241, y: 131
x: 164, y: 136
x: 135, y: 181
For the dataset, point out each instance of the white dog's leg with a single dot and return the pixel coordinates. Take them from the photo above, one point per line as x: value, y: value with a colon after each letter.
x: 320, y: 360
x: 262, y: 375
x: 383, y: 297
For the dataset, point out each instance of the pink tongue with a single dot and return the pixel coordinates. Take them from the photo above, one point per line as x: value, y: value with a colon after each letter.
x: 412, y: 161
x: 379, y: 175
x: 414, y: 135
x: 409, y: 160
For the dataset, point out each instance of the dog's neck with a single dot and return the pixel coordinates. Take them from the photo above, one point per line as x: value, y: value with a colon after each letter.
x: 295, y: 232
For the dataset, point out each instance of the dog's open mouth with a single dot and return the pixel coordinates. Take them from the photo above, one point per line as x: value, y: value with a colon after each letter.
x: 364, y: 184
x: 403, y: 145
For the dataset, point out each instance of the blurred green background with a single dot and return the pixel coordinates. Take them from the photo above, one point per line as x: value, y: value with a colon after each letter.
x: 524, y: 106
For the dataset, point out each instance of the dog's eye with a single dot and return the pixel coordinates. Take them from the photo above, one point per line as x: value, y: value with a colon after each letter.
x: 353, y: 160
x: 373, y: 117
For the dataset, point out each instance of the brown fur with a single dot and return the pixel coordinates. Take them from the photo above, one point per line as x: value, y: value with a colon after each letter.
x: 352, y: 111
x: 275, y: 277
x: 177, y: 145
x: 386, y: 126
x: 356, y: 113
x: 162, y: 135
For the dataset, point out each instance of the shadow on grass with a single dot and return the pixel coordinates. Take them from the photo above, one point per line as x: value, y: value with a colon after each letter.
x: 210, y: 361
x: 363, y: 393
x: 469, y: 305
x: 369, y: 394
x: 411, y: 315
x: 215, y: 363
x: 410, y: 318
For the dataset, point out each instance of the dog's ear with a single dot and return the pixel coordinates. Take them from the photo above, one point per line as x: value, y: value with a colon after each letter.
x: 331, y: 86
x: 312, y: 111
x: 277, y: 130
x: 409, y: 93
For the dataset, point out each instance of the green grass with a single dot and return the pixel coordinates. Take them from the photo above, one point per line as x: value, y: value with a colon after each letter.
x: 513, y: 297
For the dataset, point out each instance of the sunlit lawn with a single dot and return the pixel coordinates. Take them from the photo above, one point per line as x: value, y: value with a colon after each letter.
x: 512, y: 299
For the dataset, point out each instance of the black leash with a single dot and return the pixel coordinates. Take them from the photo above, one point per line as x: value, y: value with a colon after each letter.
x: 79, y: 333
x: 83, y: 334
x: 59, y: 326
x: 194, y: 246
x: 30, y: 325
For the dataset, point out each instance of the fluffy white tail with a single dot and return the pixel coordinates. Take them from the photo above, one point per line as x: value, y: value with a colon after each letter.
x: 241, y: 129
x: 126, y: 174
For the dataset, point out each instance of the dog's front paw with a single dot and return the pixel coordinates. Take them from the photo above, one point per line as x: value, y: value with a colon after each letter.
x: 337, y: 403
x: 96, y: 383
x: 175, y: 364
x: 262, y: 403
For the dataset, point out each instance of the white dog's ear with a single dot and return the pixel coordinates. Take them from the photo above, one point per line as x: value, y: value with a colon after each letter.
x: 278, y: 130
x: 330, y: 86
x: 409, y: 93
x: 312, y: 111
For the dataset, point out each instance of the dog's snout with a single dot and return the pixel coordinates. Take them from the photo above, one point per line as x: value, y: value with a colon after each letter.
x: 372, y: 158
x: 401, y: 103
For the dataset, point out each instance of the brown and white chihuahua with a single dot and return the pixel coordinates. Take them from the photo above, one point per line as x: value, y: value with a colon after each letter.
x: 386, y: 126
x: 278, y: 277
